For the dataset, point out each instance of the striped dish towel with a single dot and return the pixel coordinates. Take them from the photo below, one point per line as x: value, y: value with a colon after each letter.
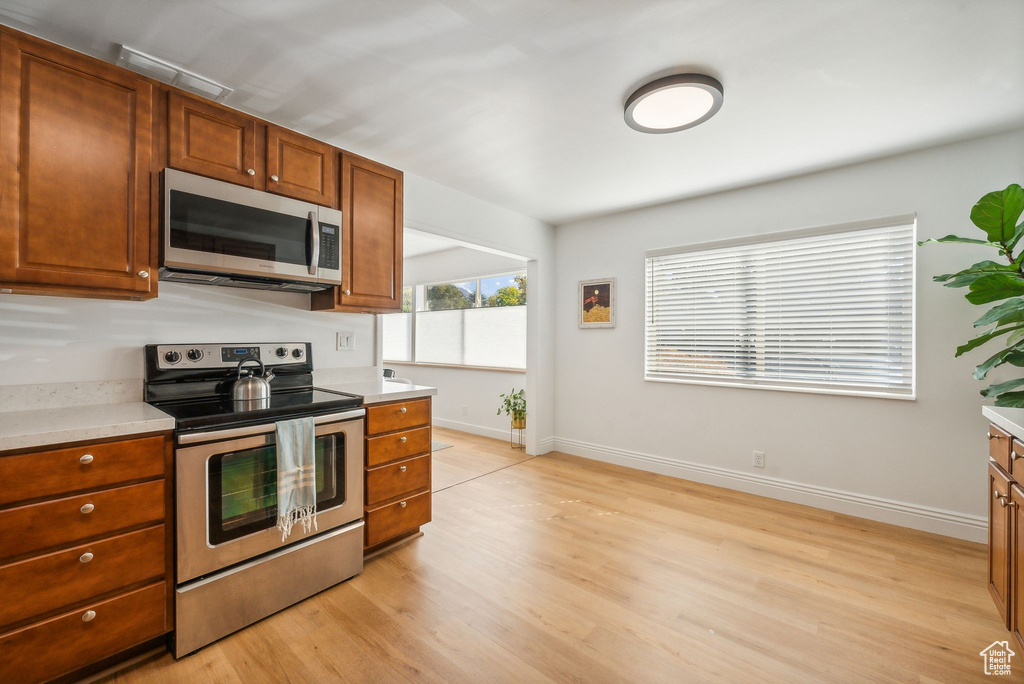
x: 296, y: 475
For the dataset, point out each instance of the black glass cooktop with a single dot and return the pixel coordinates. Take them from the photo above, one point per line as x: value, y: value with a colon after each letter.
x: 222, y: 412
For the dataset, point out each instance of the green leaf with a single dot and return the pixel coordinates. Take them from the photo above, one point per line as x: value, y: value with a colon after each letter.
x: 982, y: 339
x: 992, y: 288
x: 956, y: 238
x: 1010, y: 311
x: 1016, y: 359
x: 1002, y: 388
x: 997, y: 212
x: 1011, y: 399
x: 978, y: 270
x: 997, y: 359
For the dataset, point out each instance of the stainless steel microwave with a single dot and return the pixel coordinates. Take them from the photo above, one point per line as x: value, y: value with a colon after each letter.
x: 216, y: 233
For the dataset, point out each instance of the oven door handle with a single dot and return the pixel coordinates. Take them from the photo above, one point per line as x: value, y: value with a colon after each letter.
x: 220, y: 435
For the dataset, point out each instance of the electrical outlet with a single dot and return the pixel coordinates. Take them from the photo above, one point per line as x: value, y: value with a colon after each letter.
x: 346, y: 341
x: 759, y: 459
x: 465, y: 410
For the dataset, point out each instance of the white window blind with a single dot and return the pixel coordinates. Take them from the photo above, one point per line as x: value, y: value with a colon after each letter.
x: 831, y: 312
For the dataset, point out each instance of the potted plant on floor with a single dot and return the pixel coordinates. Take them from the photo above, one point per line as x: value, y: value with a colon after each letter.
x: 514, y: 406
x: 996, y: 215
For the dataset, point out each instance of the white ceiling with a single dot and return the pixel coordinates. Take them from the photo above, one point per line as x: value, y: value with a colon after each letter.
x: 520, y: 102
x: 416, y: 243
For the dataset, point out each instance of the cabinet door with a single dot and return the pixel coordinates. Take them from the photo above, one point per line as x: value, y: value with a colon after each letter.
x: 1017, y: 563
x: 371, y: 241
x: 1000, y: 524
x: 301, y: 167
x: 75, y: 164
x: 210, y: 140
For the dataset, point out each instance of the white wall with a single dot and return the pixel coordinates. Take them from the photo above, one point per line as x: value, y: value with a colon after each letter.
x: 919, y: 463
x: 63, y: 339
x: 467, y: 398
x: 434, y: 208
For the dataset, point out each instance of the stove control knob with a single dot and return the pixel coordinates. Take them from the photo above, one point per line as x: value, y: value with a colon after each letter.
x: 194, y: 354
x: 282, y: 352
x: 172, y: 357
x: 297, y: 352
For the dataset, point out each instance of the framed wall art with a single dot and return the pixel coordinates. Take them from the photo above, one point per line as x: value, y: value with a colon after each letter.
x: 596, y: 303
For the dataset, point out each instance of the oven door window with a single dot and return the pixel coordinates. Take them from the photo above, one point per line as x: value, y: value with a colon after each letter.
x: 214, y: 226
x: 243, y: 487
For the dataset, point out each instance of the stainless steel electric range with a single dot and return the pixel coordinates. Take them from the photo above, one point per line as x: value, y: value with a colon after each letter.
x: 232, y: 568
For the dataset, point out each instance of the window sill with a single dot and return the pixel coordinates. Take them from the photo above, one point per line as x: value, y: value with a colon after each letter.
x: 455, y: 365
x: 785, y: 388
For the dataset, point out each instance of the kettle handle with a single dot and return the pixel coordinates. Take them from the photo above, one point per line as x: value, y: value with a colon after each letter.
x: 250, y: 358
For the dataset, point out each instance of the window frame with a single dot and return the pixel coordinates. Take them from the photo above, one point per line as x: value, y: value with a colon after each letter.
x: 780, y: 236
x: 417, y: 288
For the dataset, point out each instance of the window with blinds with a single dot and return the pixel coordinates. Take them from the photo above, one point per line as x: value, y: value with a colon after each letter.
x: 829, y: 310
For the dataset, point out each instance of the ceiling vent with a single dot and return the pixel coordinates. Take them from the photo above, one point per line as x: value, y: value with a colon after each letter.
x: 153, y: 67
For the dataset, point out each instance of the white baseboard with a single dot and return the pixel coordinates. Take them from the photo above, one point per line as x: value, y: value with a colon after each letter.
x: 470, y: 428
x: 545, y: 445
x: 949, y: 523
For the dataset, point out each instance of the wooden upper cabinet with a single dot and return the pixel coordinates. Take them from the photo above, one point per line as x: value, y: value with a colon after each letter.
x: 301, y: 167
x: 75, y: 165
x: 371, y: 239
x: 210, y: 140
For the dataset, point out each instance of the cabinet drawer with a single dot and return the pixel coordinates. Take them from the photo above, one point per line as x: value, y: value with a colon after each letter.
x: 49, y: 473
x: 401, y: 415
x: 396, y: 519
x: 999, y: 447
x: 44, y: 583
x: 397, y: 445
x: 1017, y: 460
x: 42, y: 525
x: 397, y: 479
x: 67, y: 642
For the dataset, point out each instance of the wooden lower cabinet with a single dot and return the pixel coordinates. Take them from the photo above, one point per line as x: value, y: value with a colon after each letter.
x: 86, y: 561
x: 397, y: 471
x: 1016, y: 592
x: 999, y: 537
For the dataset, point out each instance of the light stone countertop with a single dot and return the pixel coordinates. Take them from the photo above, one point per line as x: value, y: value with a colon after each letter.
x: 380, y: 390
x: 51, y: 426
x: 1009, y: 419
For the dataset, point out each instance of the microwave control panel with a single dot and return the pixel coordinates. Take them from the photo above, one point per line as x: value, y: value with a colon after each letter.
x: 330, y: 241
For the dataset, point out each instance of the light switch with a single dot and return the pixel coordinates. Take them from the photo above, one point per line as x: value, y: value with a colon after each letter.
x: 346, y: 341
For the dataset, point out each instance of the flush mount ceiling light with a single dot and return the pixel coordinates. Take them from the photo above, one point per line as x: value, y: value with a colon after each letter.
x: 674, y: 103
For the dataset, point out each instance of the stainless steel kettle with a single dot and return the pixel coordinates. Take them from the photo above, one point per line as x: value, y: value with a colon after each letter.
x: 250, y: 388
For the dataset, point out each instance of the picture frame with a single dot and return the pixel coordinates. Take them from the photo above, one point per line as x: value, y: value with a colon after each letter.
x: 595, y: 307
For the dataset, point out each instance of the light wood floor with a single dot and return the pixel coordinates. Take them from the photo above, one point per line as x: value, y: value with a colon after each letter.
x: 558, y: 569
x: 469, y: 457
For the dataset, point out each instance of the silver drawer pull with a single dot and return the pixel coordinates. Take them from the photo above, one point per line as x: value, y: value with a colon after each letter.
x: 402, y: 504
x: 403, y: 440
x: 87, y: 508
x: 88, y: 615
x: 85, y: 459
x: 274, y: 178
x: 990, y: 435
x: 85, y: 557
x: 402, y: 410
x: 1014, y: 455
x: 402, y: 468
x: 251, y: 172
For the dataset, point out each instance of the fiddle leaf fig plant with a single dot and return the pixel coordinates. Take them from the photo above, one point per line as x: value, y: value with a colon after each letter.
x: 996, y: 214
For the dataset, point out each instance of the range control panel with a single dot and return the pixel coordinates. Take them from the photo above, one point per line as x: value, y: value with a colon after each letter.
x: 228, y: 355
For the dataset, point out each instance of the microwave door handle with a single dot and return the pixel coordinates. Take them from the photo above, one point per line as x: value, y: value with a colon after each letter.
x: 314, y: 227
